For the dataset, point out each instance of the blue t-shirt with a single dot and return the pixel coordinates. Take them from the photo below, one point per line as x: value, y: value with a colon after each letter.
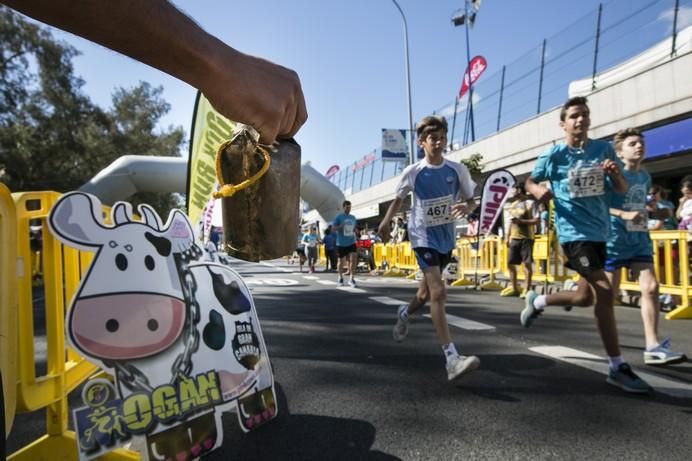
x: 346, y: 234
x: 579, y: 190
x: 628, y: 239
x: 329, y: 241
x: 435, y: 189
x: 309, y: 240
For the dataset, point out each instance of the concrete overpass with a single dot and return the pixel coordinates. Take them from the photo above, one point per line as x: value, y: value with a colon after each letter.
x: 654, y: 96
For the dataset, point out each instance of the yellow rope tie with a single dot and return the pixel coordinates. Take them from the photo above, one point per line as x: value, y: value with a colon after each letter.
x: 227, y: 190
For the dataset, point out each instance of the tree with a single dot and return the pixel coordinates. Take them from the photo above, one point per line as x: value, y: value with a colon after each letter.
x: 52, y: 136
x: 473, y: 163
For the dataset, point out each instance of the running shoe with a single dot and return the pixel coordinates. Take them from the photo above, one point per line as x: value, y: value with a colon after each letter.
x: 340, y: 282
x: 461, y: 365
x: 401, y: 328
x: 661, y: 355
x: 627, y: 380
x: 523, y: 294
x: 509, y: 291
x: 529, y: 312
x: 352, y: 283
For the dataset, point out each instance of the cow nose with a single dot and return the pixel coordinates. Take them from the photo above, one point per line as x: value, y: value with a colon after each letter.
x: 126, y: 325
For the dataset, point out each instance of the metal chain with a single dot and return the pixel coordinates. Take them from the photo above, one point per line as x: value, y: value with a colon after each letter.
x: 182, y: 365
x: 130, y: 375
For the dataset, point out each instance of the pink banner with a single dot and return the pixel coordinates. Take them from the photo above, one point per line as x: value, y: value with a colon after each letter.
x: 477, y: 66
x: 496, y: 191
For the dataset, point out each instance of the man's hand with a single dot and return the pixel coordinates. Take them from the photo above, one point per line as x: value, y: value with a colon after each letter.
x: 610, y: 168
x: 261, y: 94
x: 542, y: 194
x: 634, y: 216
x: 383, y: 231
x: 459, y: 210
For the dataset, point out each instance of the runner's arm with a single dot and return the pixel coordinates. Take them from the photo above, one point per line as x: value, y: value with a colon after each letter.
x: 541, y: 193
x: 383, y: 229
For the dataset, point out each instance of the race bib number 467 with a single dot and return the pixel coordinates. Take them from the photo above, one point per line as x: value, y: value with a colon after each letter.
x: 586, y: 182
x: 438, y: 211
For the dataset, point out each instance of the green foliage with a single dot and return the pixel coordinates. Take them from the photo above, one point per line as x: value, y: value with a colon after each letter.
x: 475, y: 166
x: 52, y: 136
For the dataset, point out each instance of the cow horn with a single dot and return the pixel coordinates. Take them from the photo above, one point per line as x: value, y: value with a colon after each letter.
x: 151, y: 218
x: 120, y: 215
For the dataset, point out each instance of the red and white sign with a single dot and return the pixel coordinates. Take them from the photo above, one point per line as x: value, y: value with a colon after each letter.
x: 477, y: 66
x: 495, y: 193
x: 365, y: 161
x: 334, y: 169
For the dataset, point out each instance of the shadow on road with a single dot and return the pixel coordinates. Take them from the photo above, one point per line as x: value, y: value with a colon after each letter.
x: 299, y: 437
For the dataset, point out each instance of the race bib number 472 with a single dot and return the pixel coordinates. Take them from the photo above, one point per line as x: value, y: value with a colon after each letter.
x: 438, y: 211
x: 586, y: 182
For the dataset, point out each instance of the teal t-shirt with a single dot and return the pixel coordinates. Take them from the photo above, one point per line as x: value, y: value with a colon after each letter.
x: 628, y: 239
x: 346, y: 234
x: 579, y: 188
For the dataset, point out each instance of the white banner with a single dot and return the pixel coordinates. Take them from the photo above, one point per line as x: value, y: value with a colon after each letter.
x: 394, y: 146
x: 496, y: 189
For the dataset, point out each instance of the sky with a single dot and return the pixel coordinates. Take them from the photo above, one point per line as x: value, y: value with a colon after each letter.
x: 350, y: 58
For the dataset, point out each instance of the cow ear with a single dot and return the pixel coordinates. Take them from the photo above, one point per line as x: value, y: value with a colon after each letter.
x: 179, y: 230
x: 76, y: 221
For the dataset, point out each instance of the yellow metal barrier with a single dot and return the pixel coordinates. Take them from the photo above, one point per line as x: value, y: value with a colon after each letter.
x: 391, y: 256
x: 548, y: 260
x: 64, y: 368
x: 378, y: 255
x: 482, y: 260
x: 8, y: 306
x: 672, y: 266
x: 406, y: 259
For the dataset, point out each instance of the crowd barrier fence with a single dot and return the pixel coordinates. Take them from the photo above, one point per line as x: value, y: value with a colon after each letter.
x: 45, y: 384
x: 480, y: 263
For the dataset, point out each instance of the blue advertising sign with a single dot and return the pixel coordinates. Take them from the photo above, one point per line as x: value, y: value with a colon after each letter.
x: 669, y: 139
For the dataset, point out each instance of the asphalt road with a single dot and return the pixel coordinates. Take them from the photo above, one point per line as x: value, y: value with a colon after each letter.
x: 347, y: 391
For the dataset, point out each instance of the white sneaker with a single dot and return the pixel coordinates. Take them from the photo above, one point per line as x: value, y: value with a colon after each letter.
x: 352, y: 283
x: 461, y: 365
x: 340, y: 282
x: 401, y: 327
x: 662, y: 355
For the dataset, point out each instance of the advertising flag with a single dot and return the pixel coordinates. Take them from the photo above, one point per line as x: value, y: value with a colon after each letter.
x: 477, y: 66
x: 496, y: 189
x: 209, y: 131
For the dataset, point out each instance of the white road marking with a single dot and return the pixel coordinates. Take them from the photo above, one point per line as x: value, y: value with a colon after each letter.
x: 465, y: 324
x: 600, y: 365
x: 351, y: 289
x: 274, y: 266
x: 310, y: 277
x: 327, y: 282
x: 387, y: 300
x: 272, y: 282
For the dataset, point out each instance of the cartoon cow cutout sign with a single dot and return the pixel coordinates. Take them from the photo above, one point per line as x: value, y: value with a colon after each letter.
x: 180, y: 335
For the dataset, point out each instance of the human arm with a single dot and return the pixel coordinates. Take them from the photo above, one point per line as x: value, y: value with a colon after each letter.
x: 634, y: 216
x: 244, y: 88
x: 540, y: 193
x: 462, y: 208
x: 383, y: 229
x: 612, y: 169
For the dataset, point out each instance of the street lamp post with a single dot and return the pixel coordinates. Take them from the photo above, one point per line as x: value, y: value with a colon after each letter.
x: 412, y: 157
x: 459, y: 20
